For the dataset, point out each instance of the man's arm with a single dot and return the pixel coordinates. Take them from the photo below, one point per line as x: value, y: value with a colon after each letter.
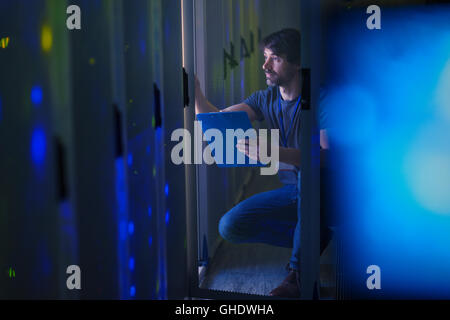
x: 292, y: 156
x: 324, y: 147
x: 202, y: 105
x: 289, y: 155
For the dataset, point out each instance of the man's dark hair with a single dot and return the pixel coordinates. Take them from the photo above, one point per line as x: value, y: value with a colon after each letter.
x: 286, y: 41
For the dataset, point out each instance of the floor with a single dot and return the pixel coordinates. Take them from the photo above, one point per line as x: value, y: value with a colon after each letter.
x: 247, y: 268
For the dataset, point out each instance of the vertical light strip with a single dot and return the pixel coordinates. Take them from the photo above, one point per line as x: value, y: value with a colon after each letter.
x: 182, y: 31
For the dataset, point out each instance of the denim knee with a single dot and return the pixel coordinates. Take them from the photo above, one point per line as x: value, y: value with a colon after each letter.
x: 227, y: 228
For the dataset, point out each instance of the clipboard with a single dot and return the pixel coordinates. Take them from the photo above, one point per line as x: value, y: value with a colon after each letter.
x: 229, y: 120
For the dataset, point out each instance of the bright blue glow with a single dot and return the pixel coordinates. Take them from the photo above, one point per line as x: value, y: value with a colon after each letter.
x: 166, y: 190
x: 38, y: 146
x: 132, y: 291
x: 122, y: 221
x: 36, y: 95
x: 130, y: 227
x: 353, y: 114
x: 150, y: 241
x: 130, y: 159
x: 388, y: 111
x: 131, y: 264
x: 167, y: 217
x: 158, y: 134
x: 121, y: 192
x: 149, y: 210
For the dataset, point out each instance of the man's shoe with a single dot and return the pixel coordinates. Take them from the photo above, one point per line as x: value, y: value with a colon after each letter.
x: 289, y: 287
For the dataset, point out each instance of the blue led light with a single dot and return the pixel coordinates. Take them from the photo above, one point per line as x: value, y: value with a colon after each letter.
x: 150, y: 241
x: 36, y: 95
x: 132, y: 291
x: 149, y: 211
x: 131, y: 264
x: 167, y: 217
x: 158, y: 134
x: 166, y: 190
x: 130, y: 227
x: 38, y: 146
x: 130, y: 159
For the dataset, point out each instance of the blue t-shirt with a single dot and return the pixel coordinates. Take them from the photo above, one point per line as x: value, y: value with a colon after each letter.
x: 265, y: 105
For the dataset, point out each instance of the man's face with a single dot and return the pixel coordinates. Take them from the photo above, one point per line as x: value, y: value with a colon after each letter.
x: 278, y: 70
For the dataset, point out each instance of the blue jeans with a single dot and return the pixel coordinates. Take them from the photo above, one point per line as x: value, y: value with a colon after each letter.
x: 269, y: 217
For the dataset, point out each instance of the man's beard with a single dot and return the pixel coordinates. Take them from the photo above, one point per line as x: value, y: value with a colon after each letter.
x: 273, y: 82
x: 279, y: 81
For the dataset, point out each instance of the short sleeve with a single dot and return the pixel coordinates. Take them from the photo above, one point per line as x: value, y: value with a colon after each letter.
x: 255, y: 101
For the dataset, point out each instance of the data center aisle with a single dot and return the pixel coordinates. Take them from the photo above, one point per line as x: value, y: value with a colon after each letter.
x: 248, y: 268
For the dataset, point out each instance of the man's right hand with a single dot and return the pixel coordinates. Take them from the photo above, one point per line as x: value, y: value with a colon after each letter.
x: 202, y: 105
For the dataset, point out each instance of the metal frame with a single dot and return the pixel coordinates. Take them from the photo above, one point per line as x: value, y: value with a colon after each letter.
x: 309, y: 195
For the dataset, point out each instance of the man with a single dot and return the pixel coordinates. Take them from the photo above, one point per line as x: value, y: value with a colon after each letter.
x: 271, y: 217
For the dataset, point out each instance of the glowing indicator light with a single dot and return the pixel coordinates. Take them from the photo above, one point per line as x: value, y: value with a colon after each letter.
x: 4, y: 42
x: 131, y: 264
x: 130, y: 159
x: 149, y: 210
x: 46, y: 38
x: 150, y: 241
x: 130, y: 228
x: 12, y: 273
x: 38, y: 146
x: 132, y: 291
x: 167, y: 217
x: 166, y: 190
x: 36, y: 95
x: 92, y: 61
